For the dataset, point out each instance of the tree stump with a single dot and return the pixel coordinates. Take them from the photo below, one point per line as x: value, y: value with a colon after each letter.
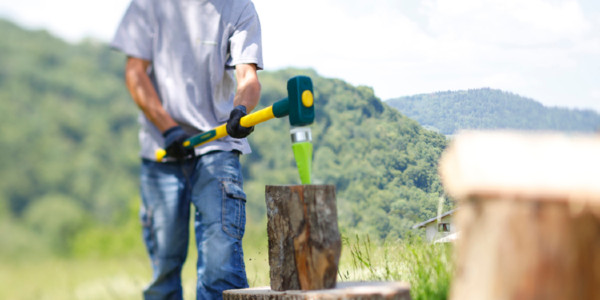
x: 304, y: 240
x: 342, y: 291
x: 528, y: 215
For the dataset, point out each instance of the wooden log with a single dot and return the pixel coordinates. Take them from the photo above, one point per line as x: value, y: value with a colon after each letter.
x: 528, y: 216
x: 343, y: 291
x: 304, y: 240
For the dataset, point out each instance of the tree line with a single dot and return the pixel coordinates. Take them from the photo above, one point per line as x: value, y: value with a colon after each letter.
x: 451, y: 111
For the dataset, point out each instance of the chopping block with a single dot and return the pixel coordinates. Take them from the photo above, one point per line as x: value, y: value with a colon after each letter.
x: 304, y: 239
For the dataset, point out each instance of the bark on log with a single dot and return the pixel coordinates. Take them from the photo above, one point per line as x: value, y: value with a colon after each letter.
x: 516, y: 249
x: 304, y: 240
x: 343, y: 291
x: 528, y: 215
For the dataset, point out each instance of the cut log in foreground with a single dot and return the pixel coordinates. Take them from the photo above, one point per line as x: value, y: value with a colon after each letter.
x: 304, y: 240
x: 528, y: 215
x: 343, y: 290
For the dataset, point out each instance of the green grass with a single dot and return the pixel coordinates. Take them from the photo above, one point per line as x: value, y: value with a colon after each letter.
x: 101, y: 276
x: 426, y: 267
x: 59, y: 278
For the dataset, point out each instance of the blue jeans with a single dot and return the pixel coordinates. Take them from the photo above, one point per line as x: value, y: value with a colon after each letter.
x: 213, y: 183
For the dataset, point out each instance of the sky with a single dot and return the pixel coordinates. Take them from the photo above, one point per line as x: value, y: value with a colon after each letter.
x: 547, y: 50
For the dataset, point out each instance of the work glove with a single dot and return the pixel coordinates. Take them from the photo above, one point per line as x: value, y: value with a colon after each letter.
x: 174, y: 138
x: 234, y: 129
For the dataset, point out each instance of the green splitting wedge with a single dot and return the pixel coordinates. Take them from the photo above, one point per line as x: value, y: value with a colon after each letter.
x: 299, y: 105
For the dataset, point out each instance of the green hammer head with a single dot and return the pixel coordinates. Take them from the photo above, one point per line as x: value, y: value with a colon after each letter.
x: 300, y: 97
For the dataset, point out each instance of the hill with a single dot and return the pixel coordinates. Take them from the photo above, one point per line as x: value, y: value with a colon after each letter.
x: 383, y: 164
x: 70, y: 164
x: 448, y: 112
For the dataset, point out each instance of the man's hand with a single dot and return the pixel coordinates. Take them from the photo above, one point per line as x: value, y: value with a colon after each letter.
x: 174, y: 138
x: 234, y: 129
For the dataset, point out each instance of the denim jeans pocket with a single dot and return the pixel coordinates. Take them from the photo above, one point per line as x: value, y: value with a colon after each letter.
x: 148, y: 229
x: 233, y: 218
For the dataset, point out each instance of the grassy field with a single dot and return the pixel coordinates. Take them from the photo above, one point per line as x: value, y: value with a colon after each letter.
x: 96, y: 278
x: 426, y: 267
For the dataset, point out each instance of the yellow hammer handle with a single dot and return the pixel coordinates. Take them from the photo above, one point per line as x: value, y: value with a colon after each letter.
x: 257, y: 117
x: 250, y: 120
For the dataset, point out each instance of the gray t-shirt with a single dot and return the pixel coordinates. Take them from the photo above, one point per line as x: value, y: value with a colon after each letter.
x: 194, y: 46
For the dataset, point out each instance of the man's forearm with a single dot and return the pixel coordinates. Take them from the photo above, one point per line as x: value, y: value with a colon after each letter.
x: 144, y: 95
x: 248, y: 87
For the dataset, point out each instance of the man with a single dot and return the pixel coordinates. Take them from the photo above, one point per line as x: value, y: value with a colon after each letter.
x: 182, y: 59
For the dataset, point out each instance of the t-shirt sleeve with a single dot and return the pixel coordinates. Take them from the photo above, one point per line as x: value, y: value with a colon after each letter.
x: 135, y: 32
x: 245, y: 43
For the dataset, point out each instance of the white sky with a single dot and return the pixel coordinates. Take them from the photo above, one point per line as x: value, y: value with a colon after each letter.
x: 548, y: 50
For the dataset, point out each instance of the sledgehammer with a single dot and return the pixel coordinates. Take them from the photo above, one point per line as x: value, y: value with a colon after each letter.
x: 300, y: 108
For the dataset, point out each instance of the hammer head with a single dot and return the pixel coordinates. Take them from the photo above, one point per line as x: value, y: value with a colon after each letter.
x: 300, y: 97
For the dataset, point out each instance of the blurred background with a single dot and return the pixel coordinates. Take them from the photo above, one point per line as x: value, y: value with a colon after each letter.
x: 393, y: 83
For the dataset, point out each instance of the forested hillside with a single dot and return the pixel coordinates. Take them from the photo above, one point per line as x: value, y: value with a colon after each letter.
x: 69, y: 140
x: 448, y: 112
x: 383, y: 164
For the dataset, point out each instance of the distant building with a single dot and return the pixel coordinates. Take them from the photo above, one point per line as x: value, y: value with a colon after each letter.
x: 440, y: 229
